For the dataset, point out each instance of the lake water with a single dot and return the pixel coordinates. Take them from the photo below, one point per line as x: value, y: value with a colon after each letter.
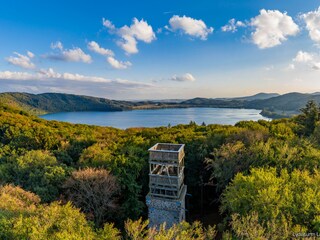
x: 158, y: 117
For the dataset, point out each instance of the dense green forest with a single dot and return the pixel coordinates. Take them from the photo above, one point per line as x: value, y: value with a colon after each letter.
x: 71, y: 181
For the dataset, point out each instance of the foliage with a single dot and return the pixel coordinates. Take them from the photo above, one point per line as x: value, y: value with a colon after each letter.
x: 54, y: 222
x: 275, y: 197
x: 37, y: 171
x: 94, y: 192
x: 280, y: 192
x: 249, y: 227
x: 16, y: 200
x: 138, y: 230
x: 309, y: 118
x: 252, y: 148
x: 108, y: 232
x: 59, y: 102
x: 22, y: 217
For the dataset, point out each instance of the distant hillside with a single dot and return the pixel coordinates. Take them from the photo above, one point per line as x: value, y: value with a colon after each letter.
x: 273, y: 106
x: 211, y: 102
x: 258, y: 96
x: 286, y: 102
x: 58, y: 102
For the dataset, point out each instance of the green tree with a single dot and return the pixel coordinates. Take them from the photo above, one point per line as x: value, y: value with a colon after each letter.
x: 54, y: 222
x: 138, y: 230
x: 14, y: 202
x: 308, y: 118
x: 275, y: 197
x: 37, y: 171
x: 108, y: 232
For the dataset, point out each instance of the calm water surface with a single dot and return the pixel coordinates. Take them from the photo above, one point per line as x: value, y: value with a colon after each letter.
x: 158, y: 117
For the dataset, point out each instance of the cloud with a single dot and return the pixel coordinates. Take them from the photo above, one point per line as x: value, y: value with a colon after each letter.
x: 47, y: 80
x: 30, y: 54
x: 272, y: 28
x: 316, y: 66
x: 139, y: 30
x: 8, y: 75
x: 20, y: 60
x: 311, y: 60
x: 76, y: 55
x: 312, y: 20
x: 130, y: 35
x: 291, y: 66
x: 232, y: 26
x: 128, y: 44
x: 70, y: 55
x: 114, y: 63
x: 45, y: 74
x: 51, y: 74
x: 94, y: 47
x: 269, y: 68
x: 189, y: 26
x: 183, y: 78
x: 108, y: 24
x: 56, y: 45
x: 303, y: 57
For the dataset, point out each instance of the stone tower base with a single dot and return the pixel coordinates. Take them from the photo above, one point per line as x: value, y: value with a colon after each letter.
x: 171, y: 211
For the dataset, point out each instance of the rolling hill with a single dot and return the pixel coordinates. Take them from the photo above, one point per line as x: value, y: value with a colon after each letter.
x: 272, y: 104
x: 58, y: 102
x: 286, y: 102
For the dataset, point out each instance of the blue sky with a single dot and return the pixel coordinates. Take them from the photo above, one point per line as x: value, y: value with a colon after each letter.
x: 160, y: 49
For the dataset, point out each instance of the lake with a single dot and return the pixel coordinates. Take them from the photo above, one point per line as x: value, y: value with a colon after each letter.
x: 158, y: 117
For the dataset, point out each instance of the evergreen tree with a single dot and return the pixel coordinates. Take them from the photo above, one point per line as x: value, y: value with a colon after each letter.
x: 309, y: 117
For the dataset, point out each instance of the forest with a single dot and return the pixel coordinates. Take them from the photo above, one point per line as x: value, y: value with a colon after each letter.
x: 260, y: 180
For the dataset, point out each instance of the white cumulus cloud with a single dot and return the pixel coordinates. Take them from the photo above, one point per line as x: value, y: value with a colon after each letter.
x: 114, y: 63
x: 272, y: 27
x: 232, y: 25
x: 94, y: 47
x: 128, y: 44
x: 312, y: 20
x: 76, y: 55
x: 130, y: 35
x: 188, y: 77
x: 51, y: 74
x: 108, y: 24
x: 71, y: 55
x: 21, y: 60
x: 190, y: 26
x: 303, y: 57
